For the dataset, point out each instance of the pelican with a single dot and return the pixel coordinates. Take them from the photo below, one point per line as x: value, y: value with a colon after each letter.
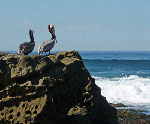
x: 47, y: 45
x: 27, y: 47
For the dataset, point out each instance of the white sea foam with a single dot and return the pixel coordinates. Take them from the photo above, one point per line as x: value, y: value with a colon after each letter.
x: 132, y: 90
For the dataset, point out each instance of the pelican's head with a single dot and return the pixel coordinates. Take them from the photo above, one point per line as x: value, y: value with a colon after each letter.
x: 51, y: 26
x: 31, y: 33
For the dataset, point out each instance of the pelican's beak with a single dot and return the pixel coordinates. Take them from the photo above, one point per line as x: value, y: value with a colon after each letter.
x: 48, y: 26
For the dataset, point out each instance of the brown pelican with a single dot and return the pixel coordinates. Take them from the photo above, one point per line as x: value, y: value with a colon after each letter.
x: 27, y: 47
x: 47, y: 45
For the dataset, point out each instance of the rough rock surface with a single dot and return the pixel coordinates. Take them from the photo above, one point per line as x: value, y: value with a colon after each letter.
x: 54, y: 89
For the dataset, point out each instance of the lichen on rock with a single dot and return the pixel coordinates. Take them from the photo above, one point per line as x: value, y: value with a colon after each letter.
x: 50, y: 90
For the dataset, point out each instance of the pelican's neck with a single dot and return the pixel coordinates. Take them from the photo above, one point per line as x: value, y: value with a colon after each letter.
x: 32, y: 38
x: 53, y: 33
x: 53, y: 36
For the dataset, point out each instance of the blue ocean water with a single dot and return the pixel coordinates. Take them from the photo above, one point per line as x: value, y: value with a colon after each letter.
x: 124, y: 77
x: 110, y: 65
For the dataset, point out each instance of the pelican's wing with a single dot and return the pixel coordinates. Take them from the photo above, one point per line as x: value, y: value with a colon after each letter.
x: 26, y: 48
x: 48, y: 45
x: 24, y: 45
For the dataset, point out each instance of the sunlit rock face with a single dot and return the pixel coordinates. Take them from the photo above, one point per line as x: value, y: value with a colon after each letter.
x: 52, y: 89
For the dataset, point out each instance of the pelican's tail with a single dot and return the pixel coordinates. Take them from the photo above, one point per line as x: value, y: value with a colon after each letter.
x: 19, y: 52
x: 39, y: 51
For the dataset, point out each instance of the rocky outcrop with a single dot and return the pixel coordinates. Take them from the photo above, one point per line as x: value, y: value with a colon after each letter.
x: 52, y: 89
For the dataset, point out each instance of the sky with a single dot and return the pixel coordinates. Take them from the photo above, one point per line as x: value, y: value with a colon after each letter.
x: 81, y: 25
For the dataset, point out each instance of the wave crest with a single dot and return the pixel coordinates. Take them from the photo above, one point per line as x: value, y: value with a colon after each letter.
x: 132, y: 90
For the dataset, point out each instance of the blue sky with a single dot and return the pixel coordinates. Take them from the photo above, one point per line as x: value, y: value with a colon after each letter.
x: 82, y: 25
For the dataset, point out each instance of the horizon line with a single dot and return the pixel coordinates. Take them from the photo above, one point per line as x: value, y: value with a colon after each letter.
x: 88, y: 51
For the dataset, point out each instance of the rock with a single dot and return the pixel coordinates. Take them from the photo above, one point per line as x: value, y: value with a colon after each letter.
x: 131, y: 116
x: 117, y: 105
x: 3, y: 54
x: 52, y: 89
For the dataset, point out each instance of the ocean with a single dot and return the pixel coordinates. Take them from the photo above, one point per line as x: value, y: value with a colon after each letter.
x: 123, y: 76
